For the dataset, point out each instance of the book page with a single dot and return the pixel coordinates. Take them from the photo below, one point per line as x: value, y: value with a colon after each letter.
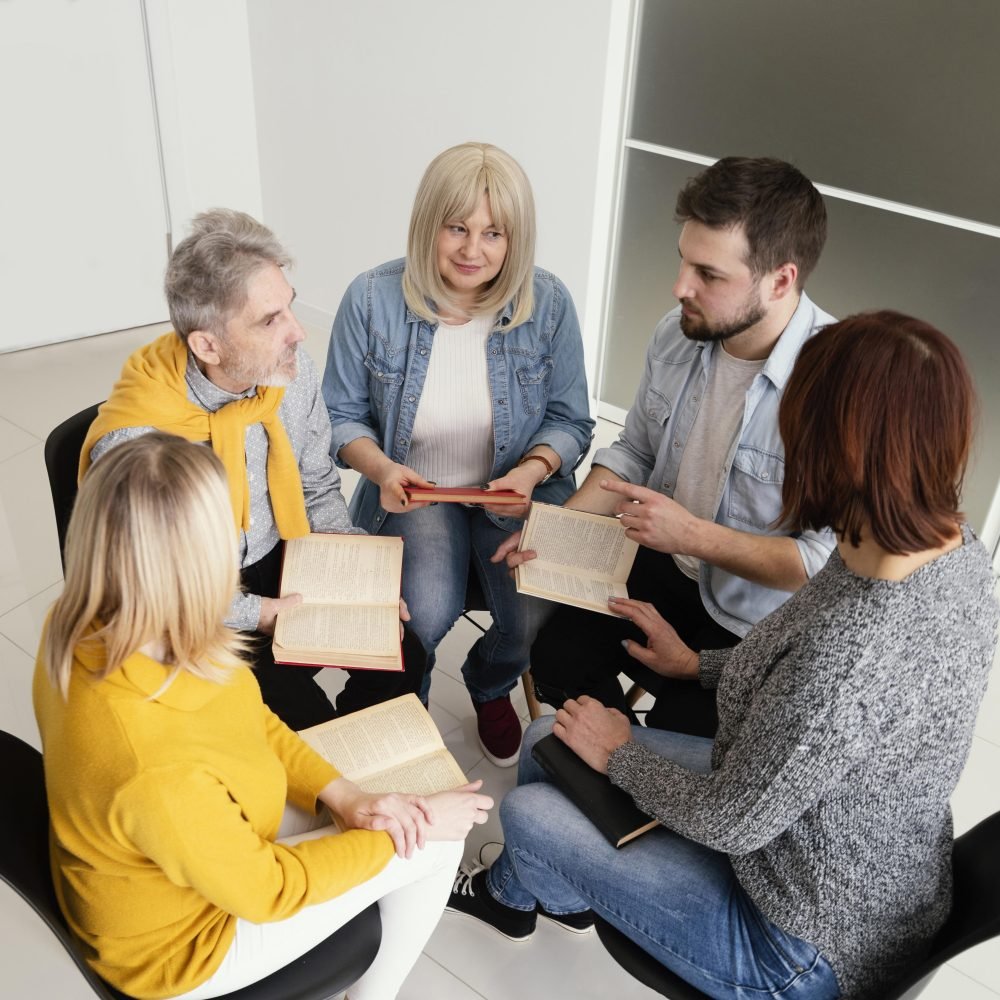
x: 569, y: 588
x: 582, y: 542
x: 374, y: 739
x: 344, y: 569
x: 338, y: 628
x: 437, y: 772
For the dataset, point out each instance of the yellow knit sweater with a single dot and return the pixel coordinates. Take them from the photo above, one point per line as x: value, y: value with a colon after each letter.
x: 164, y: 813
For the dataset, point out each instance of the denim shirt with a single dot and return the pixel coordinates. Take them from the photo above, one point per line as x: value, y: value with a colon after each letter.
x: 377, y: 364
x: 649, y: 450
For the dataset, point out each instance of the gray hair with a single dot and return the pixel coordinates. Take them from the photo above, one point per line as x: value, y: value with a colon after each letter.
x: 206, y: 281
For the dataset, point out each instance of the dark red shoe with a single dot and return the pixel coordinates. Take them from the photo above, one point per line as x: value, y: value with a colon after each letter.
x: 499, y: 730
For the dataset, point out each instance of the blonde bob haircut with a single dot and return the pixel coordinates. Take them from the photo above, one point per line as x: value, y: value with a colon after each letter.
x: 150, y: 556
x: 451, y: 189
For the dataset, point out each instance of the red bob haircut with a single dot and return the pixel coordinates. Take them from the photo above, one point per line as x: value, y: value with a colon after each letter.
x: 877, y: 420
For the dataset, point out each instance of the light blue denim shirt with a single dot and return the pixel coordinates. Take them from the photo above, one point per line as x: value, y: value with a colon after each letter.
x: 649, y: 450
x: 377, y: 364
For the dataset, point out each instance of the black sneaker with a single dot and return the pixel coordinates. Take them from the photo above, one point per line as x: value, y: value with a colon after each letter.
x: 575, y: 923
x: 470, y: 897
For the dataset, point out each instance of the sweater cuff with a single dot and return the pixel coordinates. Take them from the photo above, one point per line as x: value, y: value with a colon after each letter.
x: 710, y: 664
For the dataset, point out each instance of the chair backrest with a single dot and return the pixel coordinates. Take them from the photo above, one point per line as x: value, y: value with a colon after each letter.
x: 975, y: 911
x: 62, y: 461
x: 323, y: 972
x: 24, y: 847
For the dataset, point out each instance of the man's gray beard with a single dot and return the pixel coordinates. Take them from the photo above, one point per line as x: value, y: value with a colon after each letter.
x: 705, y: 334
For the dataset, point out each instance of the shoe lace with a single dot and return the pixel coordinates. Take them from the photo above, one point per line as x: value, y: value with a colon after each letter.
x: 463, y: 880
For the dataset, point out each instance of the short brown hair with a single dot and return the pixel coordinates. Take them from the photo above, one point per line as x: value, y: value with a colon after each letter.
x: 877, y: 420
x: 781, y: 213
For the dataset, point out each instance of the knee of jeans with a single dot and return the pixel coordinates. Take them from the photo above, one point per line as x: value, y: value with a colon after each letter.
x: 526, y: 817
x: 433, y: 613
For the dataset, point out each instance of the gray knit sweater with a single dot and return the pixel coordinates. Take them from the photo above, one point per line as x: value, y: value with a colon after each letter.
x: 845, y: 718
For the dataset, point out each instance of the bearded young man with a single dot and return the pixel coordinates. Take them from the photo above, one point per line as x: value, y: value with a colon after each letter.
x: 232, y: 375
x: 696, y: 473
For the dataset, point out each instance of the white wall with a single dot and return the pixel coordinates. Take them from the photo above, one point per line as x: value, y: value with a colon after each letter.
x: 354, y: 99
x: 204, y: 93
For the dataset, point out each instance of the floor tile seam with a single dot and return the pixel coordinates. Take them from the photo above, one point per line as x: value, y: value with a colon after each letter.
x: 20, y: 604
x: 20, y: 427
x: 453, y: 975
x: 978, y: 982
x: 31, y: 654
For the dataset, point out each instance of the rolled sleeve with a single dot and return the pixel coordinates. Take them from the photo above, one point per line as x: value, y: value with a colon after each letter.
x: 815, y: 548
x: 566, y: 427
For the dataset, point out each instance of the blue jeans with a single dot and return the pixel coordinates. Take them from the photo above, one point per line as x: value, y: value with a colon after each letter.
x: 440, y: 544
x: 678, y: 900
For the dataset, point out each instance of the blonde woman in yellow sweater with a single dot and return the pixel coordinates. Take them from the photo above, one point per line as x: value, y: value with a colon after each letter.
x: 168, y: 778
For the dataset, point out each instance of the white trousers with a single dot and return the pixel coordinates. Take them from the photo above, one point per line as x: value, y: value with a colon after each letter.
x: 411, y: 894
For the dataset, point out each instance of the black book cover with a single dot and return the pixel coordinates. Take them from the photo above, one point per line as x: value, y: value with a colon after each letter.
x: 608, y: 807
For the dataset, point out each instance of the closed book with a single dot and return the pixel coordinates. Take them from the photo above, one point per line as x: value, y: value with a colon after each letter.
x: 461, y: 494
x: 609, y: 808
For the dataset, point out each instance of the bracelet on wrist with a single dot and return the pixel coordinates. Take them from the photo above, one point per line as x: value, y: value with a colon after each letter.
x: 549, y: 467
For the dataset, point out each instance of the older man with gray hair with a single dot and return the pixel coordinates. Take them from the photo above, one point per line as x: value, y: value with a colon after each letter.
x: 232, y: 375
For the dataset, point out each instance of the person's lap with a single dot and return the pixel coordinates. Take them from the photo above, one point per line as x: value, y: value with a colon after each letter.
x: 677, y: 899
x: 578, y: 652
x: 441, y: 544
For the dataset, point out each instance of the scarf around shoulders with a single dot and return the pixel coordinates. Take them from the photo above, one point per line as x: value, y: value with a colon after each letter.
x: 152, y: 392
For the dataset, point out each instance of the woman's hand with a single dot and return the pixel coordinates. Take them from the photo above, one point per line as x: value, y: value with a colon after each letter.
x: 591, y: 731
x: 406, y: 818
x: 392, y: 480
x: 522, y: 479
x: 664, y: 653
x: 457, y: 811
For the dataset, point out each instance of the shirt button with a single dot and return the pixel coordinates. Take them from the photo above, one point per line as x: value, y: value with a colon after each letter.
x: 502, y: 447
x: 677, y: 444
x: 410, y: 399
x: 494, y: 351
x: 423, y: 350
x: 502, y: 402
x: 763, y: 475
x: 666, y: 486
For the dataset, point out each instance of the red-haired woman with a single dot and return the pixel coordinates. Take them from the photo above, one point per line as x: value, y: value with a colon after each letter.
x: 807, y: 851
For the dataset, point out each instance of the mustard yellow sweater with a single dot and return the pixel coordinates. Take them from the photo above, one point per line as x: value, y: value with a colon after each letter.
x: 164, y: 813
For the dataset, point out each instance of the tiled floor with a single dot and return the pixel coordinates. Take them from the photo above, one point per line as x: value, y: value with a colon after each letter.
x: 38, y: 389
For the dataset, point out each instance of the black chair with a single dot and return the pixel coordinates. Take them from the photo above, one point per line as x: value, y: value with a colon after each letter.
x: 62, y: 461
x: 975, y: 917
x: 24, y: 865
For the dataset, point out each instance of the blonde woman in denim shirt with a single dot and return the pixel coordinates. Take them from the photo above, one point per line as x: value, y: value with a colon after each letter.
x: 462, y: 364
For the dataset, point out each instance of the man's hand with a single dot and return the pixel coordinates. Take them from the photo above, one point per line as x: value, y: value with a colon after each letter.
x: 651, y: 519
x: 664, y: 653
x: 404, y: 616
x: 591, y: 731
x: 456, y: 812
x: 269, y: 608
x: 406, y: 818
x: 507, y: 552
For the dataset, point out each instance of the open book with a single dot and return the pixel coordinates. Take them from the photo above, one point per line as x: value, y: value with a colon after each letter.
x: 611, y: 809
x: 583, y: 559
x: 349, y: 615
x: 392, y: 747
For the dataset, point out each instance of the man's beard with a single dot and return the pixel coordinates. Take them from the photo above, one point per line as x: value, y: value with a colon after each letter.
x: 278, y: 376
x: 695, y: 328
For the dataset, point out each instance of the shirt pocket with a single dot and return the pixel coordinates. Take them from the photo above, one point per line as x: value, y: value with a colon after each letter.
x: 755, y: 482
x: 384, y: 381
x: 657, y: 406
x: 534, y: 380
